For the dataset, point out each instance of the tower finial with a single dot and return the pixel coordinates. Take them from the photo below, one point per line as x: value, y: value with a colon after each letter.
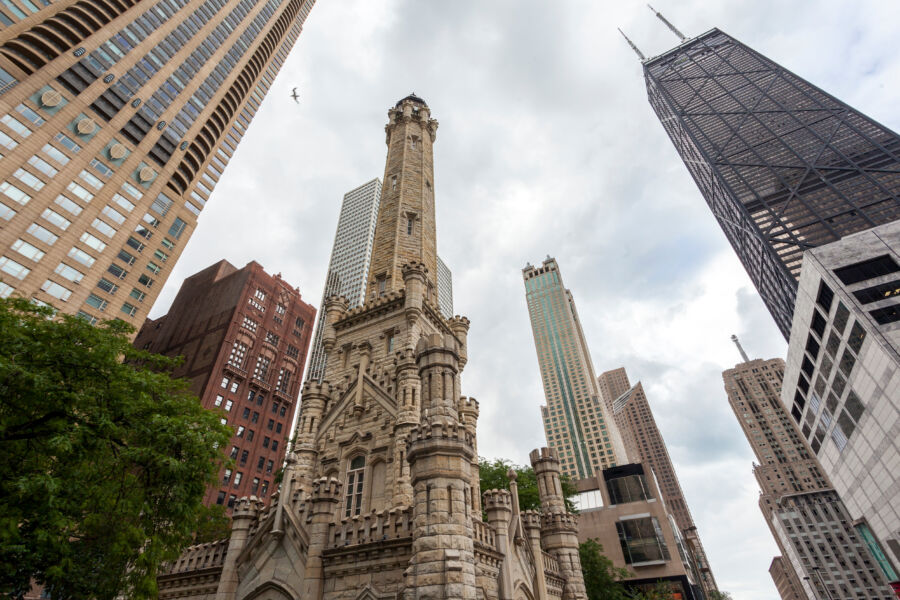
x: 740, y: 348
x: 671, y: 27
x: 633, y: 47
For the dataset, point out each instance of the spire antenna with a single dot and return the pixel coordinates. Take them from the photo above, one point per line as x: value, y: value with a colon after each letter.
x: 633, y: 47
x: 671, y: 27
x: 740, y: 348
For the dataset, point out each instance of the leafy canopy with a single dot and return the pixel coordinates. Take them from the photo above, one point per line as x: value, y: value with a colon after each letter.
x: 493, y: 475
x: 104, y: 458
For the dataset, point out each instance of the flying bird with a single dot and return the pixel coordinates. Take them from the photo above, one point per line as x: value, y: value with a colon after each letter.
x: 295, y: 96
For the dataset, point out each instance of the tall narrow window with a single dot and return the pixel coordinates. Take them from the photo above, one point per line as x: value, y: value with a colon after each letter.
x: 394, y: 182
x: 355, y: 475
x: 410, y: 220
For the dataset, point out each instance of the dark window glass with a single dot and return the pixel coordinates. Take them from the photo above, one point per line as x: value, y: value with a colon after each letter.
x: 260, y: 463
x: 854, y: 406
x: 818, y: 323
x: 630, y: 488
x: 795, y: 412
x: 266, y: 441
x: 857, y: 337
x: 847, y: 362
x: 246, y: 413
x: 812, y: 346
x: 244, y: 456
x: 838, y: 383
x: 841, y: 314
x: 642, y: 540
x: 878, y: 292
x: 888, y: 314
x: 220, y: 499
x: 255, y: 417
x: 846, y: 424
x: 825, y: 297
x: 807, y: 366
x: 799, y: 400
x: 834, y: 340
x: 832, y: 403
x: 867, y: 269
x: 803, y: 384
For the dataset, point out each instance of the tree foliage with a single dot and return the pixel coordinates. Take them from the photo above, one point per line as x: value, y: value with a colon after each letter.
x: 104, y: 458
x: 718, y: 595
x: 493, y: 475
x: 602, y: 579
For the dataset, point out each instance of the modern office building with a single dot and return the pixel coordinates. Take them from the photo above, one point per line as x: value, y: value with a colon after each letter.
x: 244, y: 335
x: 620, y: 508
x: 783, y: 165
x: 842, y: 379
x: 348, y: 268
x: 576, y: 422
x: 785, y: 581
x: 644, y: 444
x: 444, y: 288
x: 822, y: 553
x: 117, y: 118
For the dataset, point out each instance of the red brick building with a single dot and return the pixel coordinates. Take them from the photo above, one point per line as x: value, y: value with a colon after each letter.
x: 244, y: 335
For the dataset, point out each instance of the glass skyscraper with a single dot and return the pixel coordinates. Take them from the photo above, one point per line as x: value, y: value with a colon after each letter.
x: 117, y: 118
x: 575, y: 419
x: 783, y: 165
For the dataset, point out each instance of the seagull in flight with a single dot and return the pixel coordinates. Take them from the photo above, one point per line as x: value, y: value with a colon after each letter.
x: 295, y: 96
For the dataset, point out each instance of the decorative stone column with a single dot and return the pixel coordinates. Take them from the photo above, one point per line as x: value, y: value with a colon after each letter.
x: 325, y: 499
x: 460, y: 328
x: 313, y: 400
x: 559, y: 528
x: 409, y: 390
x: 245, y: 513
x: 498, y: 505
x: 415, y: 276
x: 531, y: 522
x: 440, y: 453
x: 335, y: 307
x: 468, y: 415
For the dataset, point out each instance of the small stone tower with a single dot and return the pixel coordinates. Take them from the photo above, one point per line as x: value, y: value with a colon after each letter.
x: 559, y: 528
x: 440, y: 452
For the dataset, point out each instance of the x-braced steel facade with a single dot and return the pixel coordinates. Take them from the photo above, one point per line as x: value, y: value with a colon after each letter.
x: 783, y: 165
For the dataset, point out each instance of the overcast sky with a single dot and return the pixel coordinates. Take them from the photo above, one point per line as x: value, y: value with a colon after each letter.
x: 547, y: 145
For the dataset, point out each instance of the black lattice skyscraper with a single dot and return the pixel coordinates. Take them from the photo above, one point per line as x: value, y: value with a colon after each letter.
x: 783, y: 165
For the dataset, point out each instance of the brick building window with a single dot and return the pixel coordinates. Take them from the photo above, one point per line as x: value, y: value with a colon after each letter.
x: 292, y: 352
x: 238, y: 353
x: 284, y: 381
x: 250, y: 324
x: 272, y: 338
x: 262, y: 367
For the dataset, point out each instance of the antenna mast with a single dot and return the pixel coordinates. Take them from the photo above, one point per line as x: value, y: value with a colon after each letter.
x: 633, y: 47
x: 740, y: 348
x: 671, y: 27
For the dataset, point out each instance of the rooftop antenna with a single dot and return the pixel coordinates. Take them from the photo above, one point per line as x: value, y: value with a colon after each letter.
x: 740, y: 348
x: 671, y: 27
x: 633, y: 47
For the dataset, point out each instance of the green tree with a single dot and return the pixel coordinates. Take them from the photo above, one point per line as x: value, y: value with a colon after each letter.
x: 493, y: 475
x: 602, y: 579
x: 717, y: 595
x: 213, y: 524
x: 104, y: 458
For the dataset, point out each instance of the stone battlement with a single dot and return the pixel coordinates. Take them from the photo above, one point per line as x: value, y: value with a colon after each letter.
x: 469, y: 406
x: 497, y: 500
x: 413, y: 266
x: 373, y: 527
x: 458, y: 321
x: 540, y: 454
x: 426, y: 431
x: 199, y: 556
x: 551, y: 522
x: 375, y: 303
x: 312, y: 387
x: 326, y: 488
x: 531, y: 519
x: 436, y: 341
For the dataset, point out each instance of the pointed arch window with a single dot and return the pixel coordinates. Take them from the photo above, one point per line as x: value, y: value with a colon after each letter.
x: 355, y: 474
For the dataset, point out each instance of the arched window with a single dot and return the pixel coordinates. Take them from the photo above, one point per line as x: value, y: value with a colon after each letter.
x: 355, y: 474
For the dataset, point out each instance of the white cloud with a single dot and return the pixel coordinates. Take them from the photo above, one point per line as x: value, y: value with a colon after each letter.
x: 547, y: 144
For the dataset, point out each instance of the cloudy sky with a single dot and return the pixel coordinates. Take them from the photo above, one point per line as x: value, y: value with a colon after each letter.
x: 547, y: 145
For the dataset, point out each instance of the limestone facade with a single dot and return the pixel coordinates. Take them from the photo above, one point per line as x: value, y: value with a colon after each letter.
x: 381, y: 497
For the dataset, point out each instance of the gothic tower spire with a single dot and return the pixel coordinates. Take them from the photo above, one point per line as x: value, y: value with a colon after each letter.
x: 405, y: 231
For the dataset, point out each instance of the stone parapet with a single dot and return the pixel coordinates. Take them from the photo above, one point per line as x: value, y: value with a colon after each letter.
x: 198, y: 556
x: 373, y: 527
x: 559, y: 523
x: 483, y: 533
x: 551, y: 565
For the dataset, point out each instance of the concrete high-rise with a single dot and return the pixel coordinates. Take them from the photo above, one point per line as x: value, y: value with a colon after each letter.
x: 644, y: 443
x: 576, y: 422
x: 821, y: 552
x: 348, y: 268
x: 783, y: 165
x: 117, y: 118
x: 444, y: 288
x: 244, y: 335
x: 842, y: 379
